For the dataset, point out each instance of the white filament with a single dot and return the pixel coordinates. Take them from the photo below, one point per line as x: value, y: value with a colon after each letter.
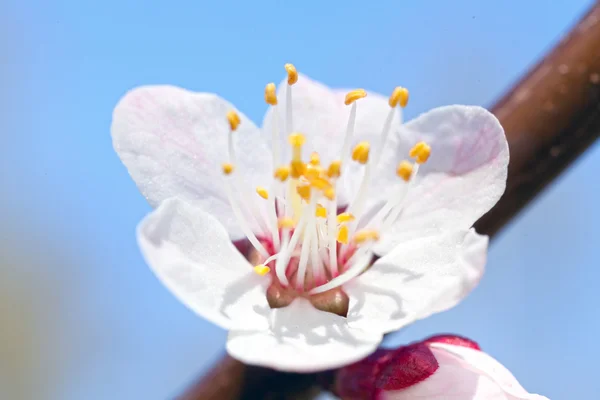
x: 356, y: 269
x: 289, y: 122
x: 275, y: 137
x: 349, y: 134
x: 331, y: 228
x: 242, y: 222
x: 399, y: 203
x: 309, y: 233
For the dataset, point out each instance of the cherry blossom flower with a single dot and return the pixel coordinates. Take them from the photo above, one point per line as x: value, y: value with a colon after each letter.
x: 312, y: 237
x: 439, y: 368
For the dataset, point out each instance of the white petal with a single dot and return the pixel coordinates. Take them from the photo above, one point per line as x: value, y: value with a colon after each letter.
x: 191, y: 254
x: 464, y: 177
x: 302, y: 339
x: 468, y: 374
x: 418, y: 278
x: 174, y: 142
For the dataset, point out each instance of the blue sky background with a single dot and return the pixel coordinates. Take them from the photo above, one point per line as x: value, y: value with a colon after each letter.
x: 82, y: 317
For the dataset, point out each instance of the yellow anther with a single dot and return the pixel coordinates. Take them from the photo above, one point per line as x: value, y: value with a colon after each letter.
x: 297, y: 169
x: 262, y: 192
x: 354, y: 95
x: 292, y: 73
x: 345, y: 217
x: 286, y: 223
x: 321, y: 211
x: 329, y: 193
x: 404, y: 170
x: 399, y: 96
x: 416, y: 149
x: 421, y: 152
x: 361, y: 152
x: 270, y: 94
x: 227, y: 168
x: 234, y: 120
x: 313, y: 171
x: 296, y: 139
x: 304, y: 192
x: 315, y: 159
x: 335, y: 169
x: 342, y: 235
x: 320, y: 183
x: 365, y: 235
x: 262, y: 269
x: 282, y: 173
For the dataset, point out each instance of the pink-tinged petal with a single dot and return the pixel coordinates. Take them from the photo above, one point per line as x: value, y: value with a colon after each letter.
x: 464, y: 177
x: 453, y: 340
x: 418, y: 278
x: 302, y: 339
x: 500, y: 379
x: 385, y: 370
x: 174, y: 142
x: 190, y: 252
x: 464, y: 374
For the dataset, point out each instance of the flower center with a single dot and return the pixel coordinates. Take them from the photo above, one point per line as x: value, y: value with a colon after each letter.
x: 309, y: 242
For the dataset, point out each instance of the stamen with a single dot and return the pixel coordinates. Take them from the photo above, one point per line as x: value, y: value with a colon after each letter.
x: 317, y: 182
x: 331, y: 227
x: 334, y: 170
x: 345, y: 217
x: 354, y: 95
x: 262, y: 269
x: 271, y: 212
x: 282, y: 173
x: 292, y: 79
x: 313, y: 172
x: 397, y: 207
x: 421, y: 152
x: 343, y: 234
x: 399, y: 96
x: 228, y: 168
x: 270, y: 94
x: 351, y: 98
x: 329, y: 193
x: 304, y: 192
x: 321, y: 211
x: 292, y: 73
x: 315, y: 159
x: 271, y: 99
x: 361, y: 195
x: 242, y: 222
x: 309, y: 236
x: 356, y: 269
x: 404, y: 170
x: 365, y: 235
x: 286, y: 223
x: 297, y: 169
x: 315, y: 259
x: 234, y: 120
x: 262, y: 192
x: 286, y: 250
x: 360, y: 153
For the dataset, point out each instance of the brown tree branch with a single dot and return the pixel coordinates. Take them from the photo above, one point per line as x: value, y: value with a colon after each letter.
x: 550, y: 117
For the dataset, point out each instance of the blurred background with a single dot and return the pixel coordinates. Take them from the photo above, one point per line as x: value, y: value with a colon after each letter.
x: 82, y: 317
